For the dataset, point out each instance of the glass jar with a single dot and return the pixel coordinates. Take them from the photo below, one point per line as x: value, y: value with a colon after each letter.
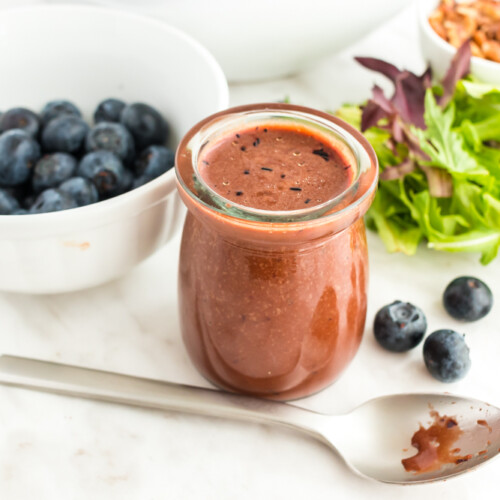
x: 273, y: 303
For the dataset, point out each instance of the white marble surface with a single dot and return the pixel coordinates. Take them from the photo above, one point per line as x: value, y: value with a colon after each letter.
x: 55, y: 448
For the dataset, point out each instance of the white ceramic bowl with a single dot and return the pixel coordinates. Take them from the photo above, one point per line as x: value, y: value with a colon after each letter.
x: 86, y: 54
x: 267, y: 38
x: 439, y: 53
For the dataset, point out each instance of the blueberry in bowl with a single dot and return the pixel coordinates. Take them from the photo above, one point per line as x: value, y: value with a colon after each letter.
x: 104, y: 169
x: 64, y: 134
x: 52, y: 200
x: 8, y: 203
x: 113, y: 137
x: 100, y: 239
x: 145, y: 123
x: 126, y: 182
x: 58, y: 163
x: 19, y: 153
x: 82, y: 190
x: 103, y: 158
x: 59, y: 107
x: 51, y: 170
x: 109, y: 110
x: 20, y: 118
x: 153, y: 162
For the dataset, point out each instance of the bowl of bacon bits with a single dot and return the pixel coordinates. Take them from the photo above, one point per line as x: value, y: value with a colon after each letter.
x: 445, y: 25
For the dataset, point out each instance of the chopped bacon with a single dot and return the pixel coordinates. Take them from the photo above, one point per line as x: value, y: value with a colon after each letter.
x: 477, y: 21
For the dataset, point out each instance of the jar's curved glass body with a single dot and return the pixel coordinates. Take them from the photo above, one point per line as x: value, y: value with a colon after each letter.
x: 273, y: 308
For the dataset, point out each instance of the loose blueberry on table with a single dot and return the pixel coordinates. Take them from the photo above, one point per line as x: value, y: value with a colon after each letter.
x: 467, y: 299
x: 446, y: 355
x: 399, y: 326
x: 55, y: 161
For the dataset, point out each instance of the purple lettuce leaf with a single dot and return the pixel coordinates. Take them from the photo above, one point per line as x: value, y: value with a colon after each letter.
x: 459, y: 68
x: 377, y: 107
x: 387, y: 69
x: 405, y: 110
x: 408, y: 98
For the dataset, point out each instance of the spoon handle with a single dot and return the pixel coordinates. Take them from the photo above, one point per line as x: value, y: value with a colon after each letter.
x: 148, y: 393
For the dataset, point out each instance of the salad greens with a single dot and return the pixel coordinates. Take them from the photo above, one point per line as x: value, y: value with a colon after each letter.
x: 438, y: 148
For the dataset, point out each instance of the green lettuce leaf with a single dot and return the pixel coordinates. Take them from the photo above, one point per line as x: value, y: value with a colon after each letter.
x: 462, y: 147
x: 386, y: 215
x: 446, y: 147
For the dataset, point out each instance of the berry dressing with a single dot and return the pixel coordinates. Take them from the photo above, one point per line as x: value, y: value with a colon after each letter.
x: 273, y: 260
x: 275, y: 167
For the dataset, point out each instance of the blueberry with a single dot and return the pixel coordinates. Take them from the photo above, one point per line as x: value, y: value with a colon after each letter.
x: 28, y: 201
x: 64, y: 134
x: 20, y: 118
x: 52, y: 200
x: 109, y: 110
x: 54, y: 109
x: 446, y: 355
x: 112, y: 137
x: 139, y: 181
x: 18, y: 155
x: 126, y: 182
x: 399, y: 326
x: 154, y: 161
x: 467, y: 299
x: 104, y: 169
x: 81, y: 190
x: 20, y: 192
x: 8, y: 203
x: 20, y: 211
x: 145, y: 124
x: 51, y: 170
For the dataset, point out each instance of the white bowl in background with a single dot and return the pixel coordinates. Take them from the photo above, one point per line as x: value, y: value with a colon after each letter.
x: 439, y: 53
x: 265, y: 39
x: 86, y: 54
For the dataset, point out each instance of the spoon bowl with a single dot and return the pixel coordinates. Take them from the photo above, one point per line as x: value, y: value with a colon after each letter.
x: 456, y: 434
x: 381, y: 431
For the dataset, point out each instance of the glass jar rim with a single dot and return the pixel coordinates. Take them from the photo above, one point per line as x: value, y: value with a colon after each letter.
x: 359, y: 190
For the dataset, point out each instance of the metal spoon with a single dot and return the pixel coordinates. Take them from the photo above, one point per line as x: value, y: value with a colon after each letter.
x: 372, y: 439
